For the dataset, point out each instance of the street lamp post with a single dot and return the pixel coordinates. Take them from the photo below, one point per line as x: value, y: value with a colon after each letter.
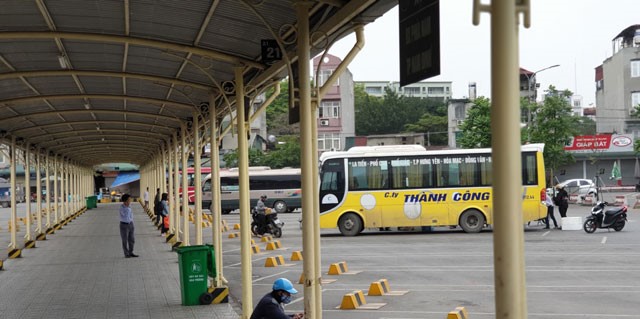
x: 530, y: 99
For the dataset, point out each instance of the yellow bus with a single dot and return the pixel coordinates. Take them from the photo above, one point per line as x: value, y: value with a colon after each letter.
x: 406, y: 185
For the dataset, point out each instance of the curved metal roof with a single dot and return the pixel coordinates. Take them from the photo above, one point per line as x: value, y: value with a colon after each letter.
x: 110, y: 81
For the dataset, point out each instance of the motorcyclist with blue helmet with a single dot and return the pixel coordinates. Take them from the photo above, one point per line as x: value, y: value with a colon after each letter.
x: 271, y: 306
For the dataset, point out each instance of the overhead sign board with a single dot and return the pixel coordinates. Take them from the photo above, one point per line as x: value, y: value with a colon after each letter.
x: 419, y: 40
x: 271, y: 52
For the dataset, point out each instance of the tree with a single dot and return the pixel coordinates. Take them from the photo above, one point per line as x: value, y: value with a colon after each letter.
x: 278, y: 113
x: 476, y: 128
x: 585, y: 126
x: 255, y: 158
x: 554, y: 126
x: 285, y: 154
x: 636, y: 114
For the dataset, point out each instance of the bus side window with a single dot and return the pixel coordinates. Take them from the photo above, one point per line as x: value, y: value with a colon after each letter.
x: 354, y: 183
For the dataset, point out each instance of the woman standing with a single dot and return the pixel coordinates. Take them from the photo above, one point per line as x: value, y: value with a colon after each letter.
x: 164, y: 203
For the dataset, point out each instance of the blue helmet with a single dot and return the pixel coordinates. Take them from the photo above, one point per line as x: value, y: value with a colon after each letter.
x: 284, y: 284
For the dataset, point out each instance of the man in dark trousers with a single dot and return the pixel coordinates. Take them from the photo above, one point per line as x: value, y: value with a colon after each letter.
x: 562, y: 201
x: 126, y: 227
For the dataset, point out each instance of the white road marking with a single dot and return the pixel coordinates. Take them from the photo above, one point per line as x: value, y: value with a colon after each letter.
x: 265, y: 277
x: 546, y: 233
x: 604, y: 240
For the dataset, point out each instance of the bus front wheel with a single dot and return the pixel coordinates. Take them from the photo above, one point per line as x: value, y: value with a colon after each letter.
x: 350, y: 224
x: 472, y: 221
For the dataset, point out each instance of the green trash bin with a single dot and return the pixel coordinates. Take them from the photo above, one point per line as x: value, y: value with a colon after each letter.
x: 92, y: 202
x: 192, y: 262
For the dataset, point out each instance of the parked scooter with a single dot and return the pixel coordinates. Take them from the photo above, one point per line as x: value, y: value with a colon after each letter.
x: 614, y: 218
x: 273, y: 225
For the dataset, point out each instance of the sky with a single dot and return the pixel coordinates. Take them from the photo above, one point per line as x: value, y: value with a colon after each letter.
x: 576, y: 34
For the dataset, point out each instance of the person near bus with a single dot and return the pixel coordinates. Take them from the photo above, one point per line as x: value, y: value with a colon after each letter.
x: 164, y: 203
x: 549, y: 203
x: 562, y: 200
x: 145, y: 196
x: 271, y: 306
x: 157, y: 208
x: 261, y: 210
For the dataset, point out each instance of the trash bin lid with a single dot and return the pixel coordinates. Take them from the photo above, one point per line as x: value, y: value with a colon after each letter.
x: 187, y: 249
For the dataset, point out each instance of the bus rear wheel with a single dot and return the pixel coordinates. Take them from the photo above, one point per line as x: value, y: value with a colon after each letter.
x: 472, y: 221
x: 280, y: 207
x: 350, y: 224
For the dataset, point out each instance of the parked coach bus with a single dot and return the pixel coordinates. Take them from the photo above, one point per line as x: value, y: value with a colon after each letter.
x: 282, y: 187
x: 406, y: 185
x: 191, y: 180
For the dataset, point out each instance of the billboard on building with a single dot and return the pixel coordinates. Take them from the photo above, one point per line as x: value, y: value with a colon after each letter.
x: 600, y: 143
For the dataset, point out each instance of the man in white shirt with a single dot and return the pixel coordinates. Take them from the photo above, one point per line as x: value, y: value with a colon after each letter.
x: 145, y: 196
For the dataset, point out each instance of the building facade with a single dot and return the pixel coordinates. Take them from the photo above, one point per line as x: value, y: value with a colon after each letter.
x: 433, y: 90
x: 336, y: 111
x: 618, y: 85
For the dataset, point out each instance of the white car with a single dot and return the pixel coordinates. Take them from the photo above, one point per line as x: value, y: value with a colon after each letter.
x: 579, y: 186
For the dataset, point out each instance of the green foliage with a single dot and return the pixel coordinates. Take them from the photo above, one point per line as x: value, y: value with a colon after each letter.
x: 392, y: 113
x: 585, y: 126
x: 555, y: 126
x: 278, y: 113
x: 636, y: 114
x: 284, y: 155
x: 476, y: 128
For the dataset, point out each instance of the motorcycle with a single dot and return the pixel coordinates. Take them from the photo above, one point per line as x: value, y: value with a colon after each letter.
x: 614, y: 218
x: 273, y: 225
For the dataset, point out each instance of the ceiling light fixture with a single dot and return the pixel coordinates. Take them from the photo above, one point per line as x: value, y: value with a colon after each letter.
x: 63, y: 61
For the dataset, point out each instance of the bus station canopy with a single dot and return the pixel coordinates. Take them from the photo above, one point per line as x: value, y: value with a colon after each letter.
x: 110, y: 81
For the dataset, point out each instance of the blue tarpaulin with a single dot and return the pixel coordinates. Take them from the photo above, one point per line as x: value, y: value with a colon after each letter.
x: 125, y: 178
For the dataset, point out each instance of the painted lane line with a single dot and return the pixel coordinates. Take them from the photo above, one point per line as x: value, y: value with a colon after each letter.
x: 604, y: 240
x: 546, y: 233
x: 265, y: 277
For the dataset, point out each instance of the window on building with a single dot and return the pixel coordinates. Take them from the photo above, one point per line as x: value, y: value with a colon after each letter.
x: 436, y: 90
x: 324, y: 75
x: 635, y: 99
x: 411, y: 90
x: 459, y: 110
x: 329, y: 142
x: 576, y: 103
x: 635, y: 68
x: 373, y: 90
x: 329, y: 109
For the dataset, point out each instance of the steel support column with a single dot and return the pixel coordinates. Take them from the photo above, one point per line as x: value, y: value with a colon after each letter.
x: 197, y: 177
x: 38, y: 192
x: 55, y: 190
x: 47, y: 189
x: 27, y: 187
x: 185, y: 195
x: 176, y: 193
x: 508, y: 237
x: 245, y: 209
x: 14, y: 216
x: 170, y: 168
x: 216, y: 206
x: 306, y: 141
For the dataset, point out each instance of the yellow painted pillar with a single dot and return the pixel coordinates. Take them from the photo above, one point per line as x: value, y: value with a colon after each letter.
x: 508, y: 238
x: 176, y: 190
x: 170, y: 168
x: 56, y: 183
x: 216, y: 207
x: 245, y: 209
x: 197, y: 177
x: 38, y: 191
x: 185, y: 199
x: 14, y: 216
x: 27, y: 188
x: 306, y: 141
x: 47, y: 197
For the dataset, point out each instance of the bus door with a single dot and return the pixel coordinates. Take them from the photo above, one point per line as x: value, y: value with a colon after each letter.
x: 332, y: 184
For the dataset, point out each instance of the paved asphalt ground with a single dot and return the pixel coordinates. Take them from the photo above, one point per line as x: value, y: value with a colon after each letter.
x: 570, y: 274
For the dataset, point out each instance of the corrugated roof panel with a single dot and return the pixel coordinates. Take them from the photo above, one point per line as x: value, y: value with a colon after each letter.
x: 20, y: 15
x: 152, y: 61
x: 13, y: 88
x: 95, y: 56
x: 219, y: 71
x: 87, y: 16
x: 102, y: 85
x: 107, y: 104
x: 146, y: 88
x: 25, y: 55
x: 76, y: 103
x: 53, y: 85
x: 175, y: 21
